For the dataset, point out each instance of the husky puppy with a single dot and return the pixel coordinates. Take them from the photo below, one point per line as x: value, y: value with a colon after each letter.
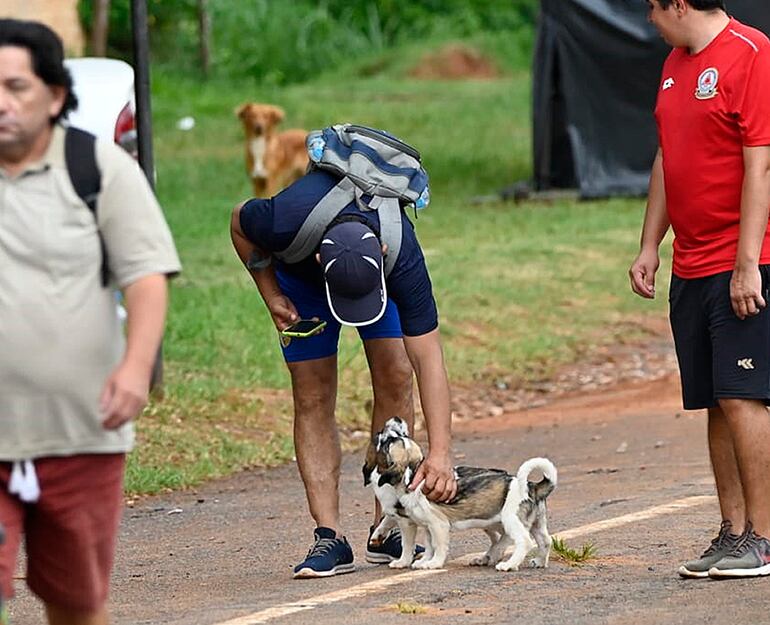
x: 378, y: 473
x: 509, y: 508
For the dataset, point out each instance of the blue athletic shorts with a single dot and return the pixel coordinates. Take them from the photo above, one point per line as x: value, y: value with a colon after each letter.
x: 310, y: 301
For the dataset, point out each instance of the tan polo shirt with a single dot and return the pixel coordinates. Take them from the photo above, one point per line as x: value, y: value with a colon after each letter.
x: 60, y: 336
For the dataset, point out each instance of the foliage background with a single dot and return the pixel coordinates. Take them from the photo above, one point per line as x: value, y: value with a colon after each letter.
x: 314, y: 35
x: 522, y: 289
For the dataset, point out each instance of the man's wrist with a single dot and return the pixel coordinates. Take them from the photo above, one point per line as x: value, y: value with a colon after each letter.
x: 744, y: 265
x: 439, y: 451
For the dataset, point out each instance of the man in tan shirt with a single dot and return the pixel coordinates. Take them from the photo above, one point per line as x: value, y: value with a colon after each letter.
x: 70, y: 382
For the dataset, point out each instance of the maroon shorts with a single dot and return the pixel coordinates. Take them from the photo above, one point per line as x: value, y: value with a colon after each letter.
x: 69, y: 533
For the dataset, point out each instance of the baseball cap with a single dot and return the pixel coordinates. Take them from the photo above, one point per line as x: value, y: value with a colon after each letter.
x: 351, y: 259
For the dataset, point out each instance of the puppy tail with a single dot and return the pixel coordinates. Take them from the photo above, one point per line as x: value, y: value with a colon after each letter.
x: 548, y: 469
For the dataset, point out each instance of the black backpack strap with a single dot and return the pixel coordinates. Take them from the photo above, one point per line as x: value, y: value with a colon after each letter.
x: 80, y: 156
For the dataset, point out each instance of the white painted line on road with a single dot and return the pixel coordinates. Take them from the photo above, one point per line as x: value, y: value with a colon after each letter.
x: 346, y: 593
x: 674, y: 506
x: 369, y: 587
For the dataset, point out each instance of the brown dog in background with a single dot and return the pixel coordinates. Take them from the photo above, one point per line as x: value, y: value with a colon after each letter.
x: 273, y: 159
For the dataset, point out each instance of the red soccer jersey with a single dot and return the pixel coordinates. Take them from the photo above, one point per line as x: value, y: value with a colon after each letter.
x: 710, y: 105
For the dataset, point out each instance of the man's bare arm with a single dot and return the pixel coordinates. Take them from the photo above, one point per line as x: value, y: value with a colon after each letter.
x: 746, y: 282
x: 656, y: 224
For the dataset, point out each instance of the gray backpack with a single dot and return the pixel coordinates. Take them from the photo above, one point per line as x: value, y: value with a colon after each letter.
x: 369, y: 163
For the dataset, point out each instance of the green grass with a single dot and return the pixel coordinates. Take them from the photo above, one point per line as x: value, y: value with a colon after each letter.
x: 573, y: 557
x: 520, y: 288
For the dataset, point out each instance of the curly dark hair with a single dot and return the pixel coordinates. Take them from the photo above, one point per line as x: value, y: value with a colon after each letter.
x: 700, y: 5
x: 47, y: 54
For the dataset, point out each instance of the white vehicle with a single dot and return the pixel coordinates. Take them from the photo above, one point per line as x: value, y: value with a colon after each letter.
x: 106, y: 107
x: 106, y: 103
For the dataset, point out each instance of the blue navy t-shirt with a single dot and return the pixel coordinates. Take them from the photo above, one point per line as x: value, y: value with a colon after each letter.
x: 271, y: 224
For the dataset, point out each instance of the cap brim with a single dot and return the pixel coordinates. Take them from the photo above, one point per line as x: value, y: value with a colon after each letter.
x: 359, y: 311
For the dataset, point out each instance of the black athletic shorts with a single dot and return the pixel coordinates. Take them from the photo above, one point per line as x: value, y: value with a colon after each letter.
x: 720, y: 356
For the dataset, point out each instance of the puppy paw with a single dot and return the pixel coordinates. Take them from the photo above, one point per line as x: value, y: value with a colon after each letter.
x: 506, y: 566
x: 482, y: 561
x: 400, y: 564
x: 427, y: 564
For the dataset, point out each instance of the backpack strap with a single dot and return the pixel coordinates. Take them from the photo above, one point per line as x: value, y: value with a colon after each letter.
x: 80, y: 157
x: 329, y: 207
x: 391, y: 230
x: 309, y: 235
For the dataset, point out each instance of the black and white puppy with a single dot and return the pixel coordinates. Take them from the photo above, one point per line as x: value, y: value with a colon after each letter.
x: 509, y: 508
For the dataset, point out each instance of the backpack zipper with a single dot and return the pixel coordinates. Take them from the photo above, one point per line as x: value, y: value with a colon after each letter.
x: 384, y: 138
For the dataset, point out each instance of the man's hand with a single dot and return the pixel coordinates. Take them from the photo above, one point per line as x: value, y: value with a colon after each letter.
x: 746, y: 292
x: 642, y: 273
x: 439, y: 478
x: 125, y: 395
x: 282, y: 311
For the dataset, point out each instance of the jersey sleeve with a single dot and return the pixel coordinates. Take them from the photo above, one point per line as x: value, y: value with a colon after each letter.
x: 256, y: 222
x: 754, y: 112
x: 136, y: 236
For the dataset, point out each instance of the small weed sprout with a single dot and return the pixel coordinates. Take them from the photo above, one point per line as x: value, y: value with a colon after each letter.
x: 407, y: 607
x: 573, y: 557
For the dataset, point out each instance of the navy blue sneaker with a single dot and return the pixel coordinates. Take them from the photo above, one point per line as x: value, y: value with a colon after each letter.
x: 328, y: 556
x: 388, y: 549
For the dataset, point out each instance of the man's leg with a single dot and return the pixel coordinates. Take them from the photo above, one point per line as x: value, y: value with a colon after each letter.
x: 693, y: 337
x: 749, y: 424
x: 392, y: 375
x: 316, y: 443
x: 61, y: 616
x: 392, y: 386
x: 725, y: 466
x: 71, y: 534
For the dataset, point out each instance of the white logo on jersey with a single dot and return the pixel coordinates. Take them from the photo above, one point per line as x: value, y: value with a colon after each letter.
x: 707, y: 84
x: 667, y: 84
x: 746, y: 363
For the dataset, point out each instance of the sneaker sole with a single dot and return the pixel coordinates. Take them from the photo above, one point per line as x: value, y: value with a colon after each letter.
x: 384, y: 558
x: 685, y: 572
x: 378, y: 558
x: 758, y: 572
x: 337, y: 570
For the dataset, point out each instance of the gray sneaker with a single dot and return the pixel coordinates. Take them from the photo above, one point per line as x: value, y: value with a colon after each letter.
x: 719, y: 547
x: 750, y: 557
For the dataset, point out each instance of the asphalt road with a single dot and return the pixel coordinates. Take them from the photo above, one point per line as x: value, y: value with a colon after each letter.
x: 634, y: 480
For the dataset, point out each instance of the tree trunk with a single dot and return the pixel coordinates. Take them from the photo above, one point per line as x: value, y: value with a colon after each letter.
x: 204, y: 35
x: 100, y: 27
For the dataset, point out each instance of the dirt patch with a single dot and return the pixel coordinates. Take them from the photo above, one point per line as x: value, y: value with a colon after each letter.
x: 455, y: 62
x: 616, y: 378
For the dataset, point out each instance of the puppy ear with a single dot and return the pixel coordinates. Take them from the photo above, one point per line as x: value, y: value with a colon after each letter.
x: 540, y: 490
x: 370, y: 461
x: 240, y: 110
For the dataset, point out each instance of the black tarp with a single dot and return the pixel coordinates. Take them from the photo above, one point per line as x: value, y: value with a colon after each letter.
x: 595, y: 77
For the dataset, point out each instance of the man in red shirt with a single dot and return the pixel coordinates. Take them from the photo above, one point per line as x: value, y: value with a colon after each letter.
x: 710, y: 182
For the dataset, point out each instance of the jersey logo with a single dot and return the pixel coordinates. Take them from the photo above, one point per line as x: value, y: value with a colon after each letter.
x: 746, y: 363
x: 285, y: 340
x: 707, y: 84
x: 667, y: 84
